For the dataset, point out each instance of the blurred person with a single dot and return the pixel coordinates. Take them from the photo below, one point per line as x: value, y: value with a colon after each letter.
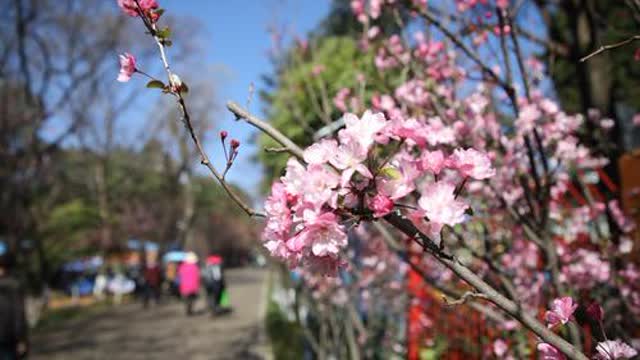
x: 189, y: 277
x: 214, y: 282
x: 100, y: 285
x: 119, y: 286
x: 171, y: 277
x: 152, y: 276
x: 13, y: 320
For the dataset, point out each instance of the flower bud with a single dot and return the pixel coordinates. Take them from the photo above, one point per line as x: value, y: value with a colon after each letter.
x: 595, y: 311
x: 235, y: 144
x: 223, y: 135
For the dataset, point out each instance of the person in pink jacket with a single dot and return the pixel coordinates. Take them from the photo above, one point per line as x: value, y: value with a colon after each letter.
x: 189, y: 275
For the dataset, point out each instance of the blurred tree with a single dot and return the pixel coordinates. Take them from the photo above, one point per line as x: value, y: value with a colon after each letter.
x: 606, y: 82
x: 76, y: 178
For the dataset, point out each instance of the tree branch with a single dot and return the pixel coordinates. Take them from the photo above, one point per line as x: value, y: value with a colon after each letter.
x: 604, y: 48
x: 265, y: 127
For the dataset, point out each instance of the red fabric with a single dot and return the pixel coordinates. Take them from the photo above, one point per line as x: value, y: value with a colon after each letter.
x: 152, y: 275
x: 214, y: 260
x: 189, y: 275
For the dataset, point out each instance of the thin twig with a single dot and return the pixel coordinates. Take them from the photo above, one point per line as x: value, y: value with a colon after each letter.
x: 265, y: 127
x: 186, y: 118
x: 276, y: 149
x: 463, y: 299
x: 604, y: 48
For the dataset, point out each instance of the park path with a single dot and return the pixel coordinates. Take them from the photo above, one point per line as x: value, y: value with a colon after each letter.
x: 164, y: 331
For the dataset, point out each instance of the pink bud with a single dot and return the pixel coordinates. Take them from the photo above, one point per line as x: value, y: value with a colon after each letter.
x: 595, y: 311
x: 381, y: 205
x: 235, y: 143
x: 223, y: 134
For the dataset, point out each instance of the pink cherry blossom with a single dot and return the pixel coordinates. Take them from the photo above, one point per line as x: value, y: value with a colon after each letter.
x: 318, y: 187
x: 127, y: 67
x: 561, y: 311
x: 503, y: 4
x: 439, y: 204
x: 614, y: 349
x: 130, y: 8
x: 438, y: 132
x: 381, y: 205
x: 500, y: 348
x: 340, y: 99
x: 323, y: 236
x: 548, y: 352
x: 363, y: 130
x: 320, y: 152
x: 349, y: 158
x: 471, y: 163
x: 432, y: 161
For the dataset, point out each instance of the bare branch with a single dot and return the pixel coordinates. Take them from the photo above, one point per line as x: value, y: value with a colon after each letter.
x: 204, y: 158
x: 463, y: 299
x: 604, y: 48
x: 265, y: 127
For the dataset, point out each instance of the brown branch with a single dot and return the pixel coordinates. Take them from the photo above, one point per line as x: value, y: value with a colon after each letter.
x: 604, y: 48
x: 265, y: 127
x: 492, y: 295
x: 186, y: 118
x: 276, y: 149
x: 464, y: 298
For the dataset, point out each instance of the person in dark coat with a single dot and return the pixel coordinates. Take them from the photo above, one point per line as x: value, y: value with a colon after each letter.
x: 13, y: 322
x: 152, y: 281
x: 214, y: 283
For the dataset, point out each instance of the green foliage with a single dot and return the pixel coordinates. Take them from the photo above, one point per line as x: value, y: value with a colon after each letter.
x: 296, y: 104
x: 286, y: 336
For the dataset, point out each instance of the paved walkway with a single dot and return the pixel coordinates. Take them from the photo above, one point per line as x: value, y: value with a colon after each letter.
x: 164, y: 331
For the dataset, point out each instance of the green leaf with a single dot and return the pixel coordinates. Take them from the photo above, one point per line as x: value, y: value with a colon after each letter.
x: 391, y: 173
x: 155, y: 84
x: 167, y: 42
x: 184, y: 88
x: 164, y: 33
x: 159, y: 12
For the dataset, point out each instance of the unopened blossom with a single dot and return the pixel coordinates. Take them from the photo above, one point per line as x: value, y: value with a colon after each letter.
x: 317, y: 69
x: 440, y: 205
x: 595, y: 311
x: 561, y: 311
x: 130, y: 7
x: 614, y: 349
x: 127, y: 67
x: 381, y: 205
x: 340, y: 100
x: 471, y: 163
x: 548, y: 352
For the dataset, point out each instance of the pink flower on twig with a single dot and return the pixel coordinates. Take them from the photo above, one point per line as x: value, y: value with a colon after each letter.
x: 127, y: 67
x: 561, y: 311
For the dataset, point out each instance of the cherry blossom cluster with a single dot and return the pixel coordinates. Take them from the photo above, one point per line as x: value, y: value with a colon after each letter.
x: 561, y: 312
x: 147, y: 8
x: 372, y: 167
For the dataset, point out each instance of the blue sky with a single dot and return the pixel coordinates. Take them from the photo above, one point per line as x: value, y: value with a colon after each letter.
x: 237, y: 42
